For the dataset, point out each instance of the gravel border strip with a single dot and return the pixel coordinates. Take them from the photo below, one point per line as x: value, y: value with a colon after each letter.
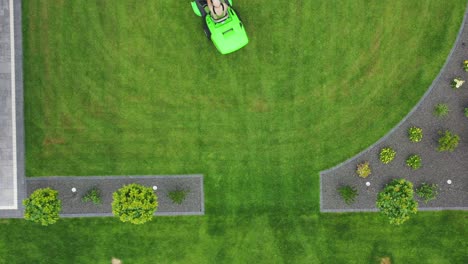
x: 436, y: 83
x: 194, y: 200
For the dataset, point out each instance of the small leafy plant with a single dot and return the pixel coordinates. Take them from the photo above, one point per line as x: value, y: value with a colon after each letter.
x: 348, y: 194
x: 441, y: 110
x: 178, y: 196
x: 457, y: 83
x: 92, y: 195
x: 387, y: 155
x: 414, y: 162
x: 363, y: 169
x: 466, y: 112
x: 465, y: 65
x: 415, y: 134
x: 427, y: 191
x: 397, y: 202
x: 448, y: 141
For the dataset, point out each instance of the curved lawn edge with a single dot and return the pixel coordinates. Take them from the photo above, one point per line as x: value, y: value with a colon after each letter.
x: 439, y: 81
x: 449, y: 57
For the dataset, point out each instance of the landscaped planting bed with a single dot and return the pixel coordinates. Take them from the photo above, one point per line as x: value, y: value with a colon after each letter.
x: 419, y: 160
x: 73, y: 204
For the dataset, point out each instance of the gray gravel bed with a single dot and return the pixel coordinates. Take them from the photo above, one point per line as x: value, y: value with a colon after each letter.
x: 437, y: 167
x: 72, y: 206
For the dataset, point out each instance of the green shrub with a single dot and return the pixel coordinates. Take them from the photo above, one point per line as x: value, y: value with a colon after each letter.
x: 178, y: 196
x: 448, y: 141
x: 43, y: 206
x: 348, y: 194
x: 466, y: 112
x: 427, y: 191
x: 414, y: 162
x: 387, y: 155
x: 397, y: 202
x: 457, y: 83
x: 465, y: 65
x: 441, y: 110
x: 363, y: 169
x: 92, y: 195
x: 134, y: 203
x: 415, y: 134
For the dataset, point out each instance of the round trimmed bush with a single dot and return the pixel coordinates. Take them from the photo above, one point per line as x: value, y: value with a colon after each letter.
x: 134, y: 203
x: 415, y: 134
x: 387, y: 155
x: 43, y: 206
x: 414, y: 162
x: 397, y: 202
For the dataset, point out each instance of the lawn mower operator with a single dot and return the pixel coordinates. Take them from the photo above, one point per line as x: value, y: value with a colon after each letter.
x: 217, y: 8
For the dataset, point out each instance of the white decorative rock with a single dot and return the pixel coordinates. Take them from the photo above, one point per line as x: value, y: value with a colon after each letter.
x: 367, y: 183
x: 449, y: 181
x: 73, y: 189
x: 155, y: 187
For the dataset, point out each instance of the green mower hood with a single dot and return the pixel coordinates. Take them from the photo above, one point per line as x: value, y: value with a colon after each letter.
x: 228, y: 35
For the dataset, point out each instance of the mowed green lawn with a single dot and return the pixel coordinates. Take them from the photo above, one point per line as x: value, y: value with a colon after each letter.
x: 133, y: 87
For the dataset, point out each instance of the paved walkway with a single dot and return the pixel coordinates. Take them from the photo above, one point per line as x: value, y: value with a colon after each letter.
x: 11, y: 107
x: 436, y: 167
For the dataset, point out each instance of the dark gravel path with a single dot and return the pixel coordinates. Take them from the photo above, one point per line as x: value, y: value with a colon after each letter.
x: 72, y: 206
x: 438, y: 167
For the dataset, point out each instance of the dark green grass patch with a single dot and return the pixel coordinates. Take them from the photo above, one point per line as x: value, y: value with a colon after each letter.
x: 133, y: 87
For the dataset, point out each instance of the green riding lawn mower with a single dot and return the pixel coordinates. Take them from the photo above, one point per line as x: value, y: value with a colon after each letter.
x: 227, y: 33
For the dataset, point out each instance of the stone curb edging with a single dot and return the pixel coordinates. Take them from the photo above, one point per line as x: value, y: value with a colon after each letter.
x: 394, y: 129
x: 111, y: 215
x: 377, y: 210
x: 113, y: 177
x: 20, y: 147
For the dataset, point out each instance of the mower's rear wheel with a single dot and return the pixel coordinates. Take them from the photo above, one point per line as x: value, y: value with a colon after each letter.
x: 240, y: 19
x: 207, y: 30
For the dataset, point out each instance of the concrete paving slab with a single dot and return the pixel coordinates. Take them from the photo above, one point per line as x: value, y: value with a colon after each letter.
x: 8, y: 104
